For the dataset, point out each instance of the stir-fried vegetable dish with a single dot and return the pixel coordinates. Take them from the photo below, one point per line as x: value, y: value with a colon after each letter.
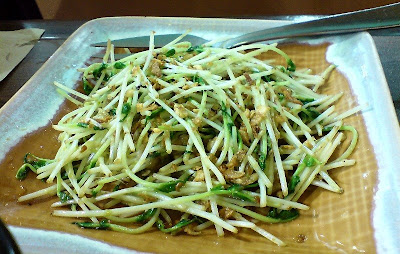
x: 183, y: 138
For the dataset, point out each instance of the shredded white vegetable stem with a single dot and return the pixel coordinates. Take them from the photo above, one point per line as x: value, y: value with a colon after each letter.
x: 206, y: 133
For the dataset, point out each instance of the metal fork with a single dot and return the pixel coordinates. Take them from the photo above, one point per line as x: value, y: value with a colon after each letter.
x: 374, y: 18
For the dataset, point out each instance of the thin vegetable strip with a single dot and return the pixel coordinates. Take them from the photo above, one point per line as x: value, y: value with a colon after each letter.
x: 193, y: 134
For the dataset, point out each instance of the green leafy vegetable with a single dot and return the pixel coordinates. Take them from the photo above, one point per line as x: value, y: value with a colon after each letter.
x: 170, y: 52
x: 182, y: 223
x: 108, y: 76
x: 197, y: 49
x: 92, y: 164
x: 97, y: 72
x: 217, y: 187
x: 235, y: 190
x: 290, y: 65
x: 97, y: 128
x: 87, y: 87
x: 154, y: 114
x: 83, y: 125
x: 112, y: 112
x: 305, y: 100
x: 64, y: 196
x: 208, y: 131
x: 283, y: 215
x: 261, y: 161
x: 253, y: 185
x: 116, y: 187
x: 35, y: 161
x: 96, y: 190
x: 23, y: 171
x: 31, y: 162
x: 126, y: 109
x: 104, y: 224
x: 308, y: 114
x: 64, y: 175
x: 293, y: 183
x: 310, y: 161
x: 146, y: 215
x: 86, y: 125
x: 198, y: 79
x: 228, y: 122
x: 119, y: 65
x: 172, y: 185
x: 267, y: 78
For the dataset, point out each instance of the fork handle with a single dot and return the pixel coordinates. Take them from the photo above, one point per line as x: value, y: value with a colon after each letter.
x: 374, y: 18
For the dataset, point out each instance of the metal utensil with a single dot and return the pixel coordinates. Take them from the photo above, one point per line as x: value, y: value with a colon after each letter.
x: 374, y: 18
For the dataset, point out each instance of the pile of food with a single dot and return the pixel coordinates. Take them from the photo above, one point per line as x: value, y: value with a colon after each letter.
x: 183, y: 138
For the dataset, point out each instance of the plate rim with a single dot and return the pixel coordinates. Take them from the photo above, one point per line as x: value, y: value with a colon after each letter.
x: 382, y: 89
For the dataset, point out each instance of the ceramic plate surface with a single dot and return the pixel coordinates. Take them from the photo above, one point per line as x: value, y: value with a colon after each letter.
x: 366, y: 218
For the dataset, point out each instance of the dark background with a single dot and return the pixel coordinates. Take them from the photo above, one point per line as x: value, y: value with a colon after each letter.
x: 89, y: 9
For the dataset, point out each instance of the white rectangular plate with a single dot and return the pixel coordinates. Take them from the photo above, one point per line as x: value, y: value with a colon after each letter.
x: 355, y: 55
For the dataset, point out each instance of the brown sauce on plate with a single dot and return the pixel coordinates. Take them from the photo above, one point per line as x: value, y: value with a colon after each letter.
x: 334, y: 222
